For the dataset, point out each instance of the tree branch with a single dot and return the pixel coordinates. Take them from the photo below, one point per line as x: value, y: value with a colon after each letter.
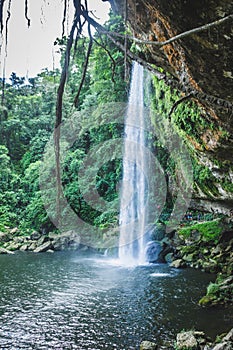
x: 76, y: 99
x: 170, y: 81
x: 58, y: 120
x: 176, y: 37
x: 178, y: 102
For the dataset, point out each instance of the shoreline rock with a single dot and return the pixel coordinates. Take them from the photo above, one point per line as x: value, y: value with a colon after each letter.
x: 209, y: 253
x: 193, y: 340
x: 36, y: 242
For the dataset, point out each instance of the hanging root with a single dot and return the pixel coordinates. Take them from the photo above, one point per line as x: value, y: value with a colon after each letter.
x: 76, y: 99
x: 125, y: 41
x: 109, y: 55
x: 1, y: 14
x: 64, y: 18
x: 7, y: 20
x: 26, y: 13
x: 178, y: 102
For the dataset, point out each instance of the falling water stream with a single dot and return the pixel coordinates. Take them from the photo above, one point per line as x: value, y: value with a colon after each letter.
x: 133, y: 195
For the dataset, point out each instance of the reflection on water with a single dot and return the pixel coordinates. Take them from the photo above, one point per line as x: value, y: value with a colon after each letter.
x: 63, y: 301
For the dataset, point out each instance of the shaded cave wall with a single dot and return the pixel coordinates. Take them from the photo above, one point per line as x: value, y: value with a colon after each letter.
x: 199, y: 62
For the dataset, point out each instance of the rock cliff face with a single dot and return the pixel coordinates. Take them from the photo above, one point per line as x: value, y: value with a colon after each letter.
x: 202, y: 65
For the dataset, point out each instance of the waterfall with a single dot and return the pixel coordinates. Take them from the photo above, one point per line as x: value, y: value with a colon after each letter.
x: 134, y: 183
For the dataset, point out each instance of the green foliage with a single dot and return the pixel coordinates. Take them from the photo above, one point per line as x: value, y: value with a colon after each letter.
x: 190, y: 119
x: 212, y: 289
x: 107, y: 69
x: 36, y: 215
x: 210, y: 230
x: 26, y: 125
x: 227, y: 186
x: 5, y: 174
x: 195, y: 126
x: 204, y: 179
x: 104, y: 182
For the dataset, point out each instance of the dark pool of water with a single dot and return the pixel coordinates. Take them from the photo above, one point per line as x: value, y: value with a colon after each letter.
x: 67, y: 301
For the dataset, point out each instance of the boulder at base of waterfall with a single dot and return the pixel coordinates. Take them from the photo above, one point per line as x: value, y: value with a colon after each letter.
x: 69, y: 240
x: 43, y: 248
x: 156, y: 232
x: 178, y: 263
x: 147, y: 345
x: 152, y: 252
x: 186, y: 340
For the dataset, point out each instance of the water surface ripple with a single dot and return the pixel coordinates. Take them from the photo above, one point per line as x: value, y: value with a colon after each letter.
x: 66, y: 301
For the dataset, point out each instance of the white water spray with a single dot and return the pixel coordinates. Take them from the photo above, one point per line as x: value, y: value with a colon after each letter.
x: 133, y: 193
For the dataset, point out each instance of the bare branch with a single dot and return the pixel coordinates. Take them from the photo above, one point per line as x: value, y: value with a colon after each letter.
x: 58, y: 120
x: 176, y: 37
x: 194, y: 30
x: 178, y: 102
x: 110, y: 56
x: 131, y: 55
x: 170, y: 81
x: 76, y: 99
x: 5, y: 56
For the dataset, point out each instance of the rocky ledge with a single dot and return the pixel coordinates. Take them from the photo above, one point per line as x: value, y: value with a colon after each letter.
x: 13, y: 240
x: 193, y: 340
x: 207, y: 246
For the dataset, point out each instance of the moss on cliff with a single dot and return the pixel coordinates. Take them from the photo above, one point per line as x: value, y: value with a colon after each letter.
x: 192, y: 124
x: 209, y: 230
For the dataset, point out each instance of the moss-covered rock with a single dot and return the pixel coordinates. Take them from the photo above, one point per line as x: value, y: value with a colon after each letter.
x: 209, y: 230
x: 207, y: 246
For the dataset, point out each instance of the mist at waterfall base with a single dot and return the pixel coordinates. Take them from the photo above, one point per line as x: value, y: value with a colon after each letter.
x: 135, y: 247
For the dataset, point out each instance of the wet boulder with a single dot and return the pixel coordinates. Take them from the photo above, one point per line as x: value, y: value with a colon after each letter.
x: 153, y: 250
x: 156, y: 232
x: 178, y: 263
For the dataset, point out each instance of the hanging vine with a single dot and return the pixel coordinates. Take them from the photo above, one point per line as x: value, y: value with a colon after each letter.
x: 64, y: 18
x: 1, y: 14
x: 26, y: 13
